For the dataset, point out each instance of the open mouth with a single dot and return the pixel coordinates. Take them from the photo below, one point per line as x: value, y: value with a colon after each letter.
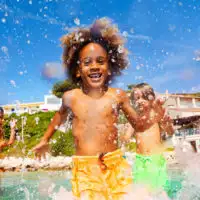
x: 95, y: 76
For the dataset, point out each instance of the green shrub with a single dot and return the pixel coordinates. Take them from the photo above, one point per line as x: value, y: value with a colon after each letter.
x: 64, y: 144
x: 33, y: 134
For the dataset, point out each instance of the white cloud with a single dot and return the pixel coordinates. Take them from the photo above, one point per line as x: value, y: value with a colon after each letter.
x: 53, y: 70
x: 139, y: 37
x: 195, y: 88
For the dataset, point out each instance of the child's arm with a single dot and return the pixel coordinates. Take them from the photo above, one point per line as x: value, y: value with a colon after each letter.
x: 58, y: 119
x: 12, y: 137
x: 144, y: 121
x: 166, y: 125
x: 12, y: 132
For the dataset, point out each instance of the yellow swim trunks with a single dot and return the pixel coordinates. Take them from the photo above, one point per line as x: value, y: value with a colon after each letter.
x: 104, y: 177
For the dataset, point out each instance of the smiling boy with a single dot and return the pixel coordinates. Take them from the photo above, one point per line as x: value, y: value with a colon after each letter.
x: 92, y: 57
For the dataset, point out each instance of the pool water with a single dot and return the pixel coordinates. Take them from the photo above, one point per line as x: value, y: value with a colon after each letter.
x: 47, y: 185
x: 33, y: 185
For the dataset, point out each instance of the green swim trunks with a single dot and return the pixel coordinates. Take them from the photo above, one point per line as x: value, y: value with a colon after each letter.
x: 150, y: 171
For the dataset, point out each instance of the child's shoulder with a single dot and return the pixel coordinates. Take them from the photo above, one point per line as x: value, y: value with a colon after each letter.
x: 72, y: 92
x: 117, y: 91
x: 118, y: 94
x: 70, y: 95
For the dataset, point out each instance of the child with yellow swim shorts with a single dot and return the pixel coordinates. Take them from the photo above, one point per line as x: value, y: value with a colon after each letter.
x: 92, y: 56
x: 150, y: 165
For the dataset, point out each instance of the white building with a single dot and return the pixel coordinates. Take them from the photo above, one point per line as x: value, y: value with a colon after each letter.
x: 51, y: 103
x: 179, y: 105
x: 20, y: 108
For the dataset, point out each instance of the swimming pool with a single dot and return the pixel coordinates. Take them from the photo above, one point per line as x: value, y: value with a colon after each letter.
x: 54, y: 184
x: 34, y: 185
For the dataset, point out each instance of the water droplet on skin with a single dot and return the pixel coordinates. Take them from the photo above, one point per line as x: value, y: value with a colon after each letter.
x: 110, y: 51
x: 113, y: 60
x: 118, y: 91
x: 120, y: 49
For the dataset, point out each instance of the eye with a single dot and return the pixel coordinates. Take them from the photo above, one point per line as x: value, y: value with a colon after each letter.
x: 87, y: 61
x: 101, y: 60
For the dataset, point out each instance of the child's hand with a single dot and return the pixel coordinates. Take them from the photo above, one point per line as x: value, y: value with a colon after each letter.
x: 166, y: 125
x: 166, y: 119
x: 41, y: 149
x: 159, y: 111
x: 13, y: 123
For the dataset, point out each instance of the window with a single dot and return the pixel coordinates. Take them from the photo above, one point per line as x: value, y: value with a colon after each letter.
x: 186, y: 103
x: 53, y: 100
x: 197, y: 102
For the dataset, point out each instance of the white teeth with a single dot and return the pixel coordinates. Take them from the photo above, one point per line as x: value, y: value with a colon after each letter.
x: 95, y: 75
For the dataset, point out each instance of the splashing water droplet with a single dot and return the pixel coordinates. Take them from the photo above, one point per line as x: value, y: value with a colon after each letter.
x: 120, y: 49
x: 77, y: 21
x: 3, y: 20
x: 137, y: 67
x: 125, y: 33
x: 13, y: 83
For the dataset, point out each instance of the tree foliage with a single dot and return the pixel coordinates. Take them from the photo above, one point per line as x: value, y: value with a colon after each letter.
x: 62, y: 86
x: 131, y: 86
x: 33, y: 132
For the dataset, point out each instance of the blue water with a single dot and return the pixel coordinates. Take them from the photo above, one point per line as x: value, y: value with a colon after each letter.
x: 33, y: 185
x: 45, y: 185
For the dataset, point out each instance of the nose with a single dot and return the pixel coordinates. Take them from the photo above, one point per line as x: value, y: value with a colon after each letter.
x: 94, y: 67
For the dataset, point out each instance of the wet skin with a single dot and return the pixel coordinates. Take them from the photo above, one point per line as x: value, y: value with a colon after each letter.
x: 95, y: 107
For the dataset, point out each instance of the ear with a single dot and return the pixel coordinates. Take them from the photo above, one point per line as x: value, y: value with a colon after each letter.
x: 78, y: 74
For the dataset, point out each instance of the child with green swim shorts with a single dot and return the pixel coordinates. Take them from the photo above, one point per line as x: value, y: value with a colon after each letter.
x: 150, y: 165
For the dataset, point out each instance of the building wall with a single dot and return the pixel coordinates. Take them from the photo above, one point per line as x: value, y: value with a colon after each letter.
x: 183, y: 106
x: 51, y: 103
x: 22, y: 108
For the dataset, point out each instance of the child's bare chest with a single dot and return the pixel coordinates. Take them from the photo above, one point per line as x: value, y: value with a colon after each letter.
x: 103, y: 108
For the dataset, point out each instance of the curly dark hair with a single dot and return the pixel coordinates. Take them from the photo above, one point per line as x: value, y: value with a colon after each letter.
x: 1, y: 110
x: 103, y: 32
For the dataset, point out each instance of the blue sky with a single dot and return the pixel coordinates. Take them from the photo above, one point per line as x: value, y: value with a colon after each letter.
x: 163, y: 39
